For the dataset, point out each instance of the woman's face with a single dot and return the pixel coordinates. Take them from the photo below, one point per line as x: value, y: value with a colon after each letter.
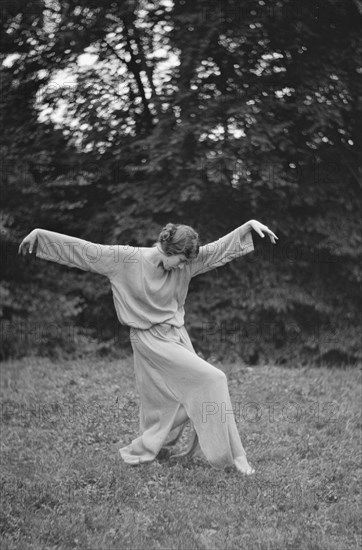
x: 176, y: 261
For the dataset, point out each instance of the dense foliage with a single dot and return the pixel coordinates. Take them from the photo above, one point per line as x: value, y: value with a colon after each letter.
x: 205, y: 113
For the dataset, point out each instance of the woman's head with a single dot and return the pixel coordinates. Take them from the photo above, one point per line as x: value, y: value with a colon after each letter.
x: 179, y: 239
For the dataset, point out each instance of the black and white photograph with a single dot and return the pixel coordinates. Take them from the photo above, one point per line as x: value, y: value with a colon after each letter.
x: 180, y: 283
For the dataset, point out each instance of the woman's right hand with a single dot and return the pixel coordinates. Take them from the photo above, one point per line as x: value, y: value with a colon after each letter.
x: 29, y: 243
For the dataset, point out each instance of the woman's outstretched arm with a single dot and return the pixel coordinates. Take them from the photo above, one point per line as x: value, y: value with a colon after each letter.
x: 233, y: 245
x: 74, y: 252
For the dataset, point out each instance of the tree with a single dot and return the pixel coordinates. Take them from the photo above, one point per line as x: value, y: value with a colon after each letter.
x: 255, y: 116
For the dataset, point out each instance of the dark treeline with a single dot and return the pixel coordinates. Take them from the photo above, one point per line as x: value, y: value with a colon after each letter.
x: 208, y: 113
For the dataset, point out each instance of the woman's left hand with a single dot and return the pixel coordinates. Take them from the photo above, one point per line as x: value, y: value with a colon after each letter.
x: 261, y: 229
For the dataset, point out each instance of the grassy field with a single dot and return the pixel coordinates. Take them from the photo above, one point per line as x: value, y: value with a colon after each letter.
x: 64, y: 485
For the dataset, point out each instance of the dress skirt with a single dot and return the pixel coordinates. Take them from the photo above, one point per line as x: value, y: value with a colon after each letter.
x: 173, y: 380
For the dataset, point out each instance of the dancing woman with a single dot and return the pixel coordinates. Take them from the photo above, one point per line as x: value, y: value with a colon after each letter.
x: 149, y: 288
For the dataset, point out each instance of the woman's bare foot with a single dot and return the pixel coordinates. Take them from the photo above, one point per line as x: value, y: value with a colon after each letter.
x: 243, y: 466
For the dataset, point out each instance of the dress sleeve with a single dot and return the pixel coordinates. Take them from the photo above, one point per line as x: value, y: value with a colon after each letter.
x: 85, y: 255
x: 222, y: 251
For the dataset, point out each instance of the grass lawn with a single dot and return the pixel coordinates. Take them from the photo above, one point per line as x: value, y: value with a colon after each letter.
x: 64, y: 485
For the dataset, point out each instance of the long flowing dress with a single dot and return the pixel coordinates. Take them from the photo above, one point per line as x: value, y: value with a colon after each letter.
x: 171, y: 378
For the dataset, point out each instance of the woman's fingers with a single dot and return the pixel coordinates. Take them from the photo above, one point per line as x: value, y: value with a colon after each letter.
x: 259, y: 228
x: 272, y: 235
x: 24, y: 246
x: 21, y: 248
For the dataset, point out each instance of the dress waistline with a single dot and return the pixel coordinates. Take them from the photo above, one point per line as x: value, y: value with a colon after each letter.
x: 163, y: 327
x: 155, y: 325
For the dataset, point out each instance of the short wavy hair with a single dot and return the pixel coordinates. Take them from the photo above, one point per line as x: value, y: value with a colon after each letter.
x: 177, y: 238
